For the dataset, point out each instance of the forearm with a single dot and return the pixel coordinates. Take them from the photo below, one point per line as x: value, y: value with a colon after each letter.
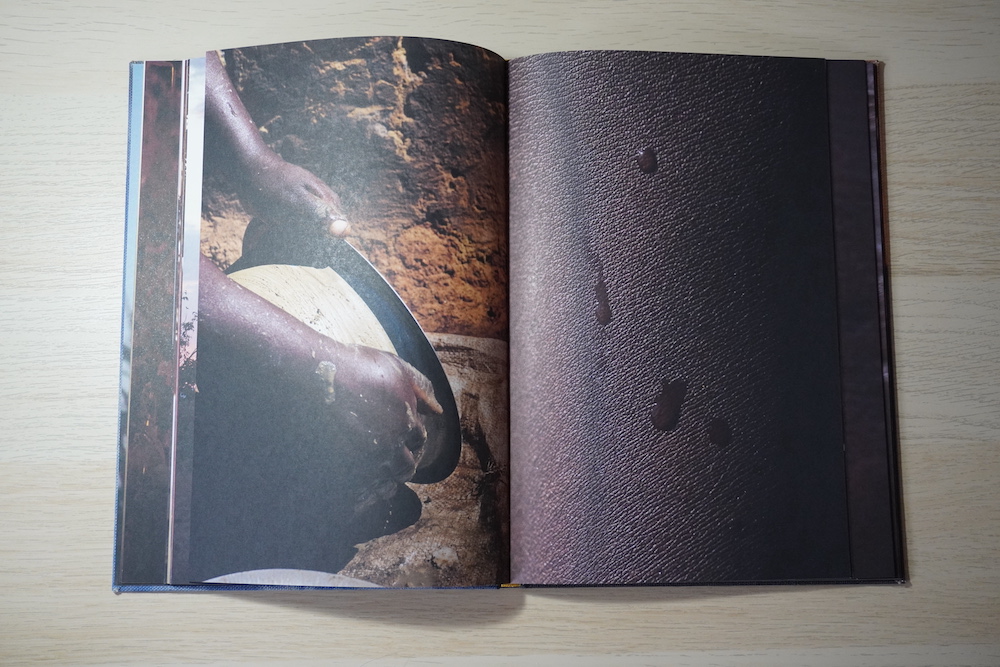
x: 268, y: 186
x: 260, y: 360
x: 248, y: 335
x: 247, y: 331
x: 227, y: 119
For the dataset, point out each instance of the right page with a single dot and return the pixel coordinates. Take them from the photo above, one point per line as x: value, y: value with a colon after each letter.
x: 679, y: 408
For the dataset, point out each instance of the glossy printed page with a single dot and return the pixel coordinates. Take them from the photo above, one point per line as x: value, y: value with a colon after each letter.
x: 676, y: 406
x: 349, y: 382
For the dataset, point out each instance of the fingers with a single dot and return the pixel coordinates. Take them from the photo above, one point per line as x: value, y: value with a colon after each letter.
x: 280, y: 190
x: 327, y: 206
x: 423, y: 389
x: 325, y: 202
x: 339, y: 227
x: 399, y: 386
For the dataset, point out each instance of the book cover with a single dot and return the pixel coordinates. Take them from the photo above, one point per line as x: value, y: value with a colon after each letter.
x: 315, y: 339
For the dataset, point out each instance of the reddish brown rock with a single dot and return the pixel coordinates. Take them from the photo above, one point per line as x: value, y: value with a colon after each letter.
x: 412, y: 135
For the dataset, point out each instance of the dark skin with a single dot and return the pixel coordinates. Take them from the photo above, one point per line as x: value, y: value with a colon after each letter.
x: 268, y: 185
x: 374, y: 395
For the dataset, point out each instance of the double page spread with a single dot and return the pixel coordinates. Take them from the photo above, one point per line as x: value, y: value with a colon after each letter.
x: 400, y: 313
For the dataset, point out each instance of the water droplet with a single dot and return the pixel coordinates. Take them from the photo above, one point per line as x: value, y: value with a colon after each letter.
x: 667, y: 409
x: 719, y: 433
x: 646, y: 159
x: 603, y: 306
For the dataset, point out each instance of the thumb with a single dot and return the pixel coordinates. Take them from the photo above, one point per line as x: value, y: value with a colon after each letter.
x: 423, y: 389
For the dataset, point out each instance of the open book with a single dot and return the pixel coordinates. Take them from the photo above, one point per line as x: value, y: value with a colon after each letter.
x: 398, y: 312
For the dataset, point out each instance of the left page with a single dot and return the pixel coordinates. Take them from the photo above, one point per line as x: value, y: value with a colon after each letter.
x: 341, y: 397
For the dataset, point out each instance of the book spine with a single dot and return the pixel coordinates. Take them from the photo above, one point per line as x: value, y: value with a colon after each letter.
x: 150, y: 330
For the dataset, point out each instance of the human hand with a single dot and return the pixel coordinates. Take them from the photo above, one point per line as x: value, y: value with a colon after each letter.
x: 276, y: 190
x: 378, y: 404
x: 382, y: 400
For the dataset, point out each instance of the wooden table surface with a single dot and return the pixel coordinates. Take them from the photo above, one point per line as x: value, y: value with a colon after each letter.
x: 63, y: 97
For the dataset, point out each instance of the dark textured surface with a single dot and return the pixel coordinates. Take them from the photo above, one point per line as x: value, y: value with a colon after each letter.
x: 719, y: 272
x: 876, y: 550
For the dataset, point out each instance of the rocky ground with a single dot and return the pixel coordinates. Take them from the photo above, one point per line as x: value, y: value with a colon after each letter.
x: 412, y: 135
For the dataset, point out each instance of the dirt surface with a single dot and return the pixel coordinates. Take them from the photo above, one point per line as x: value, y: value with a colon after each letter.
x: 412, y: 136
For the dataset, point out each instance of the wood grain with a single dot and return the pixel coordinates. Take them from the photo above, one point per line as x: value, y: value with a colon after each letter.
x: 321, y: 299
x: 63, y: 95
